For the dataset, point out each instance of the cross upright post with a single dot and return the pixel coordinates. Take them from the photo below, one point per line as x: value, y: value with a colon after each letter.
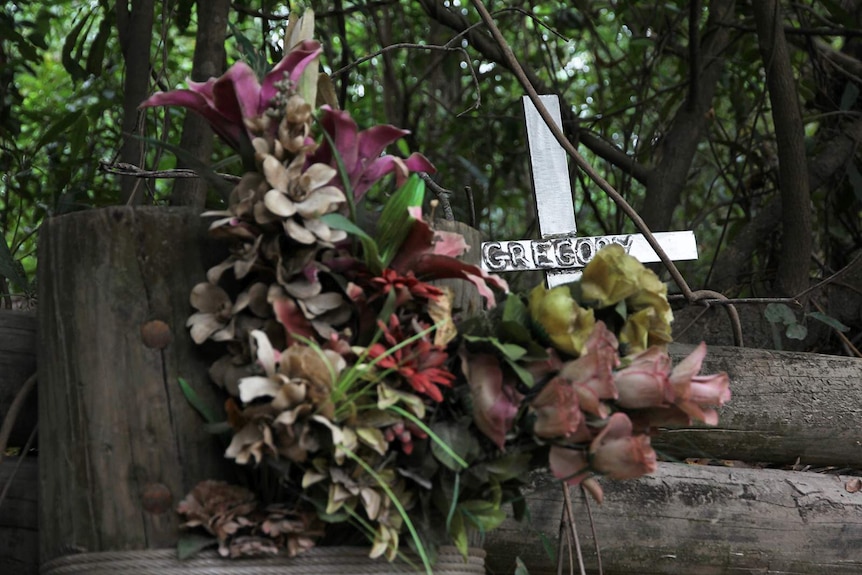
x: 560, y: 253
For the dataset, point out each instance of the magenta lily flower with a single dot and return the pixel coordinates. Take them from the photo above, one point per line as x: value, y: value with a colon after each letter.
x: 360, y: 152
x: 228, y: 102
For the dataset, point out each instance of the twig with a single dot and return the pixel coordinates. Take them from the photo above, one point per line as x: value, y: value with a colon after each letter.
x: 21, y: 457
x: 570, y: 516
x: 579, y: 160
x: 593, y: 529
x: 124, y: 169
x: 14, y: 410
x: 844, y: 339
x: 259, y: 13
x: 471, y: 201
x: 411, y: 46
x: 442, y: 194
x: 705, y: 294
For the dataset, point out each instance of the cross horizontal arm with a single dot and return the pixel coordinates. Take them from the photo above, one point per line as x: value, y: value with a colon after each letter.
x: 569, y: 252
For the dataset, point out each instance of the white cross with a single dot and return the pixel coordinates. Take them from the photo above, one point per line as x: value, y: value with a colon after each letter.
x: 560, y: 253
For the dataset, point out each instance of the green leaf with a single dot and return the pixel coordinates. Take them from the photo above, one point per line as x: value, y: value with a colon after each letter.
x: 96, y: 57
x: 510, y: 466
x: 190, y: 544
x: 849, y: 97
x: 10, y: 268
x: 828, y: 320
x: 515, y: 311
x: 458, y: 533
x: 395, y: 222
x: 370, y: 252
x: 484, y: 514
x: 437, y: 441
x: 525, y: 376
x: 69, y: 63
x: 520, y: 568
x: 509, y: 350
x: 779, y: 313
x: 78, y: 137
x: 796, y: 331
x: 458, y: 439
x: 58, y: 128
x: 195, y: 401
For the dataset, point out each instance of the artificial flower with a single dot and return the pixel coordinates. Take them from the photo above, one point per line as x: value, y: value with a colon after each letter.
x: 419, y: 363
x: 360, y: 152
x: 644, y: 381
x: 238, y: 99
x: 565, y: 323
x: 495, y: 399
x: 618, y: 454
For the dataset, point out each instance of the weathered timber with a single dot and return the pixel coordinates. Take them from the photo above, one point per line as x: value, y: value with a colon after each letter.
x: 784, y: 406
x: 697, y: 520
x: 17, y: 363
x: 119, y: 443
x: 19, y: 532
x: 465, y: 297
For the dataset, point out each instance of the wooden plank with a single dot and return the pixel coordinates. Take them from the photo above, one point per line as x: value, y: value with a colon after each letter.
x: 119, y: 444
x: 785, y: 406
x: 697, y: 520
x: 17, y: 363
x: 19, y: 530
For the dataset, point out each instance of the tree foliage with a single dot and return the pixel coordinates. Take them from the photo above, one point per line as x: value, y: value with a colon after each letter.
x: 683, y: 107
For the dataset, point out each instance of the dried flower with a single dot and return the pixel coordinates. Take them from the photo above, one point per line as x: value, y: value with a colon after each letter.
x: 565, y: 323
x: 618, y: 454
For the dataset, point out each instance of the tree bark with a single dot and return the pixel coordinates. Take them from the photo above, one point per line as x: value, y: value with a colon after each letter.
x: 119, y: 443
x: 794, y: 258
x: 209, y: 60
x: 666, y: 181
x: 135, y: 29
x: 697, y: 520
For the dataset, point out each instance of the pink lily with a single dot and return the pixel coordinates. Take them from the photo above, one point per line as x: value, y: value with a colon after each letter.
x: 431, y: 254
x: 360, y: 152
x: 231, y: 102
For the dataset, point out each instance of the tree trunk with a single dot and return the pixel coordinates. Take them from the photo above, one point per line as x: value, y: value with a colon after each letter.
x: 793, y: 262
x: 697, y: 520
x: 666, y: 181
x: 197, y: 138
x: 120, y: 445
x: 135, y: 28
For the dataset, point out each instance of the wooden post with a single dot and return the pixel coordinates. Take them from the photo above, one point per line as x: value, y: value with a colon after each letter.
x: 119, y: 443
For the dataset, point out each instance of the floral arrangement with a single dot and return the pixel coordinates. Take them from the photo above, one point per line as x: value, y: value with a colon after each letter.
x: 365, y: 402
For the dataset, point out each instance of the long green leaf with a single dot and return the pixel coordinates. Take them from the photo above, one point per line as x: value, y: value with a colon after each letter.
x: 195, y: 401
x: 395, y: 222
x: 420, y: 548
x: 370, y: 252
x: 434, y: 437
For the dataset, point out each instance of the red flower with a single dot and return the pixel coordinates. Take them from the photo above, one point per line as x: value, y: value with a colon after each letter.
x: 406, y: 286
x: 418, y: 362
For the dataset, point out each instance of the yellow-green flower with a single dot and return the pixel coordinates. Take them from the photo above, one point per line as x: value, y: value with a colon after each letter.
x: 645, y: 328
x: 566, y: 324
x: 611, y: 276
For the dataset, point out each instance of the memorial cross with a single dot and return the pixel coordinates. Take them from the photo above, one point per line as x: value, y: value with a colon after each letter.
x: 560, y: 252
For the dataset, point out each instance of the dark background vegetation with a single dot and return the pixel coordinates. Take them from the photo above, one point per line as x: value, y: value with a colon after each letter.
x: 738, y: 119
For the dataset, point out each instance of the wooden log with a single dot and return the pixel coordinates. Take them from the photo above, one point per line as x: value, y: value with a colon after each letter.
x: 119, y: 443
x: 17, y: 363
x: 19, y: 533
x: 697, y: 520
x: 466, y: 300
x: 785, y: 406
